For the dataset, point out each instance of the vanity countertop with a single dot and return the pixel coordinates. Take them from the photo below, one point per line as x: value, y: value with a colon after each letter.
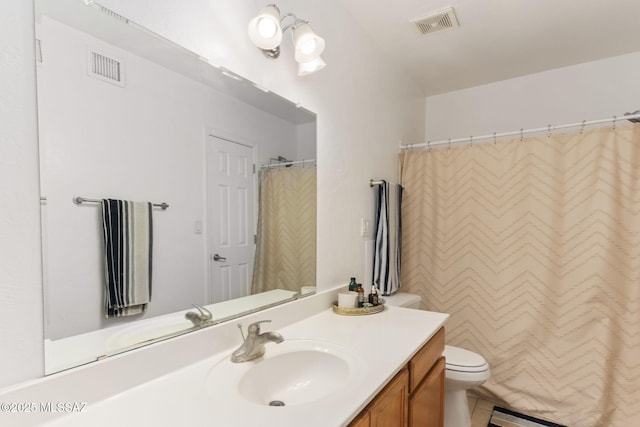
x: 76, y: 350
x: 384, y: 343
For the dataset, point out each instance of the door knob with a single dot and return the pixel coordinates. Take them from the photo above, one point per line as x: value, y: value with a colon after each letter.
x: 217, y: 257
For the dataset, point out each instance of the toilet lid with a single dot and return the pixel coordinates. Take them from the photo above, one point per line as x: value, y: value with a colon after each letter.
x: 459, y: 359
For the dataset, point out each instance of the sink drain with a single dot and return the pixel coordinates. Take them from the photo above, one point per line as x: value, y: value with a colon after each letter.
x: 276, y: 403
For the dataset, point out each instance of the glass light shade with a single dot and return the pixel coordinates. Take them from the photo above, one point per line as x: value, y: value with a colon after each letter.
x: 306, y: 68
x: 264, y: 30
x: 308, y: 45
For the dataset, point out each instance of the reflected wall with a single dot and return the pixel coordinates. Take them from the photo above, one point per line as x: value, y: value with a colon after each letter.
x: 141, y: 132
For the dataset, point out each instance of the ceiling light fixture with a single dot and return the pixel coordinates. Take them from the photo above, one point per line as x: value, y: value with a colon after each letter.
x: 266, y: 31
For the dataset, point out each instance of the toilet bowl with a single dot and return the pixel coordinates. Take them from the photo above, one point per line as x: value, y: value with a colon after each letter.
x: 464, y: 370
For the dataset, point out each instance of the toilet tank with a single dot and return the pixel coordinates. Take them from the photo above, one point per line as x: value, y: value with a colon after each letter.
x: 403, y: 299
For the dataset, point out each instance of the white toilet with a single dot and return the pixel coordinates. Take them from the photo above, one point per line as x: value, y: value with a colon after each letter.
x: 464, y: 370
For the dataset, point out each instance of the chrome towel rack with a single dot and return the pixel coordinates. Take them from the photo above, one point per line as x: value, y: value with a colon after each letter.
x: 373, y: 183
x: 78, y: 200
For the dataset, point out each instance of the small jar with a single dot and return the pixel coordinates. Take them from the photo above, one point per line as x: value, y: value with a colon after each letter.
x: 353, y: 286
x: 360, y: 291
x: 373, y: 296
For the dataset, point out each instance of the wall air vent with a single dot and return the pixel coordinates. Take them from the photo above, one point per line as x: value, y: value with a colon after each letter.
x: 112, y: 14
x: 438, y: 21
x: 106, y: 68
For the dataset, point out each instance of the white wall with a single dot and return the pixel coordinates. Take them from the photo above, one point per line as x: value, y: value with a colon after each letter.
x: 590, y: 91
x: 305, y: 133
x: 20, y: 283
x: 144, y: 141
x: 365, y: 105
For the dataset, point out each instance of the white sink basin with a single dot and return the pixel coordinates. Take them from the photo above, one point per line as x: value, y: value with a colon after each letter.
x: 295, y: 372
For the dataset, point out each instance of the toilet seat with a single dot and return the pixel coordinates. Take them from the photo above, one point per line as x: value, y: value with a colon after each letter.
x: 461, y: 360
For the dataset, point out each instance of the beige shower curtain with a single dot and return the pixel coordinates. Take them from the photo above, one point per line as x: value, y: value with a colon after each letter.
x: 286, y: 246
x: 533, y: 247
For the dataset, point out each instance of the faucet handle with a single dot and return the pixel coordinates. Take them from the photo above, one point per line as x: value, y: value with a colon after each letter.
x: 255, y: 326
x: 204, y: 313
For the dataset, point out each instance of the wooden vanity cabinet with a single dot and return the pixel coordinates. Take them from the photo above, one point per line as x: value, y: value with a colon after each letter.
x: 426, y: 384
x: 362, y: 420
x: 415, y: 396
x: 426, y: 404
x: 390, y: 406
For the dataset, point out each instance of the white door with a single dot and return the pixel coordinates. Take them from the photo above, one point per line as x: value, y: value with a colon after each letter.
x: 230, y: 204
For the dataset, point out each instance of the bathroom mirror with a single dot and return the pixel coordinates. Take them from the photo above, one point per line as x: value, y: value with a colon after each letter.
x: 125, y: 114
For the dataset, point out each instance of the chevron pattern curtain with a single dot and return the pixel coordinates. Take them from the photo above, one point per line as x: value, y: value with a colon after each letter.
x: 286, y: 247
x: 533, y: 247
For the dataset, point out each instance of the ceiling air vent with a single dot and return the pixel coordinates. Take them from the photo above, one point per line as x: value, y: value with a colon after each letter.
x: 438, y: 21
x: 106, y: 68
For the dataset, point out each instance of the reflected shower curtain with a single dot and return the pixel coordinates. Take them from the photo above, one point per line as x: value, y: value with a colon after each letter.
x: 533, y: 247
x: 286, y: 247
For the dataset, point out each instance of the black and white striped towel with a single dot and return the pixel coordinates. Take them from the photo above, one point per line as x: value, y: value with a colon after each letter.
x: 388, y: 238
x: 128, y: 238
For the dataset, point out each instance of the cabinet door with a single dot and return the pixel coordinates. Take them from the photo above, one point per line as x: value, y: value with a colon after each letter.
x: 426, y: 405
x: 363, y: 420
x: 390, y: 407
x: 425, y: 359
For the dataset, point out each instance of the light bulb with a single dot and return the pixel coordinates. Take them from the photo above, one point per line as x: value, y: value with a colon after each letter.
x: 308, y: 46
x: 264, y: 30
x: 267, y: 27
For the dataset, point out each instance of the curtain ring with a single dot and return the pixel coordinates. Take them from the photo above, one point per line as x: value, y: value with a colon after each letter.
x: 549, y: 131
x: 582, y: 127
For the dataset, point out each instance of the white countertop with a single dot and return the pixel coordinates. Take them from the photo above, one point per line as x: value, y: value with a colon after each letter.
x: 385, y: 342
x: 79, y: 349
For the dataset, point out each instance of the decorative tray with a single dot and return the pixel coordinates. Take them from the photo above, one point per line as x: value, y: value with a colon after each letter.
x: 360, y: 311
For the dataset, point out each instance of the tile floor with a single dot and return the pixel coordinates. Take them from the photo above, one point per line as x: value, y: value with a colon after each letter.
x: 480, y: 411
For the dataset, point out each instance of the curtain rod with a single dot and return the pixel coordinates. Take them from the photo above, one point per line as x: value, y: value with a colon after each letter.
x: 634, y: 118
x: 275, y: 165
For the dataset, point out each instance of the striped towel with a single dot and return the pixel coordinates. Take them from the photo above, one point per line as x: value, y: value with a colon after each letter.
x: 388, y: 239
x: 128, y: 237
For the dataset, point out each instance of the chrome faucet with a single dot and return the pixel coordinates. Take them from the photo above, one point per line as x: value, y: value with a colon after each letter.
x: 201, y: 318
x: 253, y: 345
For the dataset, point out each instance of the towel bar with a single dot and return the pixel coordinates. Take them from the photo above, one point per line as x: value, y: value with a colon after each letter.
x: 78, y: 200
